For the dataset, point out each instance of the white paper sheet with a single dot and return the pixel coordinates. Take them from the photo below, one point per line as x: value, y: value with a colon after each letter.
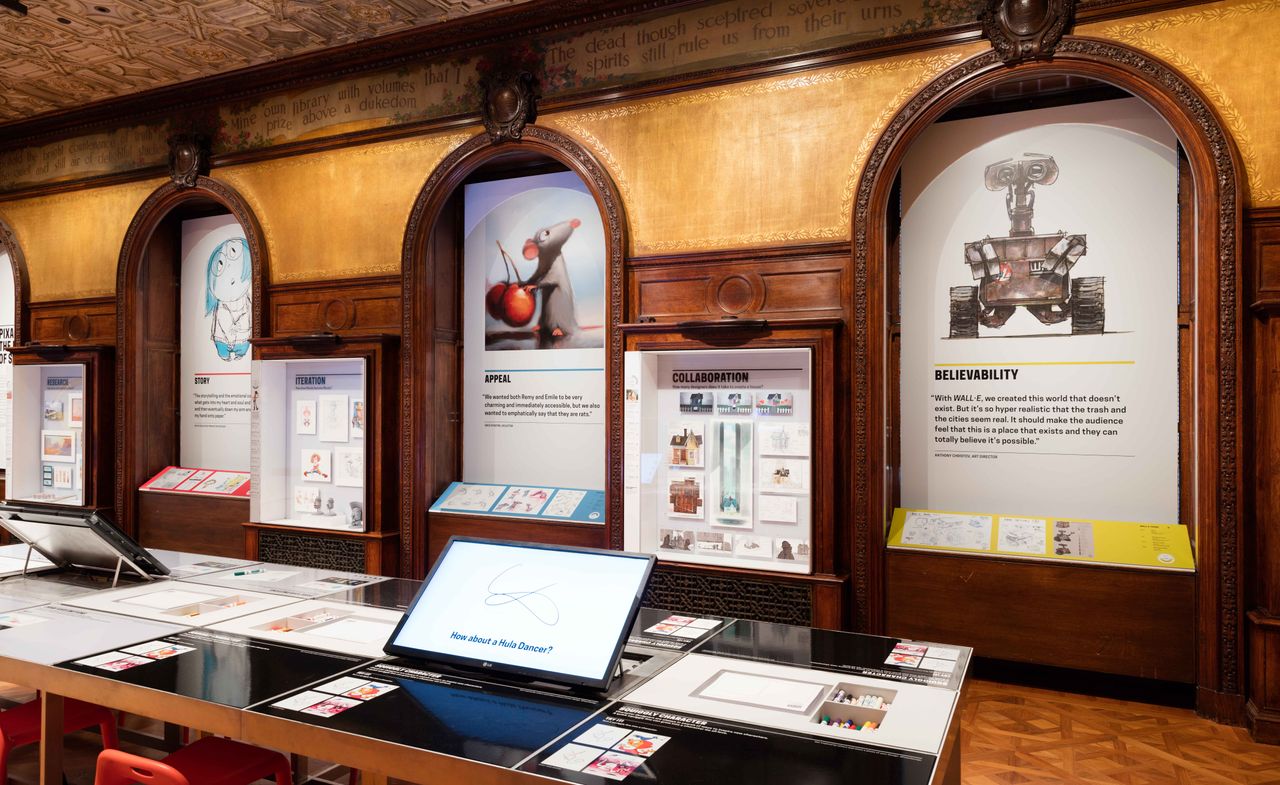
x: 168, y: 599
x: 755, y: 690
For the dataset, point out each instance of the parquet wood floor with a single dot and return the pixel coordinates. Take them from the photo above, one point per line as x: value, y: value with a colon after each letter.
x: 1011, y: 735
x: 1015, y: 735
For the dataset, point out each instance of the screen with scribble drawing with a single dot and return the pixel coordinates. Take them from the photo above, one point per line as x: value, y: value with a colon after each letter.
x: 549, y: 612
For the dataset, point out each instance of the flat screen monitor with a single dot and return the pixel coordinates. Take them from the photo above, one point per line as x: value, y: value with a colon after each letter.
x: 77, y: 538
x: 553, y: 613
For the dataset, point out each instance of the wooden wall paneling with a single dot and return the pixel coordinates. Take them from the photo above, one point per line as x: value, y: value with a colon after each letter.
x: 147, y: 337
x: 1047, y: 613
x: 1220, y: 501
x: 1262, y: 238
x: 805, y: 283
x: 88, y: 321
x: 431, y: 325
x: 192, y: 523
x: 352, y: 306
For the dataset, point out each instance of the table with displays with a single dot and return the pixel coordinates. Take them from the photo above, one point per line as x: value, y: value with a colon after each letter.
x: 292, y: 658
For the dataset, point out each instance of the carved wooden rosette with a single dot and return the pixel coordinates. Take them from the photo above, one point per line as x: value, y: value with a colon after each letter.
x: 510, y: 103
x: 1026, y: 29
x: 188, y: 158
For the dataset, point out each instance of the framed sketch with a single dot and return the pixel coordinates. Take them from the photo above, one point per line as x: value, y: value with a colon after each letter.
x: 348, y: 467
x: 333, y: 418
x: 58, y: 446
x: 75, y: 409
x: 305, y: 417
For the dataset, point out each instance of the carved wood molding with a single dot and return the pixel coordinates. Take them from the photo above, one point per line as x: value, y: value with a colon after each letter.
x: 21, y: 287
x: 1026, y: 29
x: 417, y: 330
x: 133, y: 251
x: 510, y: 103
x: 1219, y: 450
x: 188, y: 158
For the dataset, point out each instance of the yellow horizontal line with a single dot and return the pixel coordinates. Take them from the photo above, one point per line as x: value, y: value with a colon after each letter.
x: 1002, y: 365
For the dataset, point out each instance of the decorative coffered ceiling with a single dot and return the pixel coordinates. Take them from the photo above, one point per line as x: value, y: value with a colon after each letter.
x: 67, y: 53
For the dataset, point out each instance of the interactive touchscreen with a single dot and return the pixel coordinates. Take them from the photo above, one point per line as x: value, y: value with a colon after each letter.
x: 559, y: 614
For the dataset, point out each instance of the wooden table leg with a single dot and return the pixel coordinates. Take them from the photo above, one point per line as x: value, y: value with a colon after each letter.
x: 51, y: 726
x: 299, y: 765
x: 372, y: 778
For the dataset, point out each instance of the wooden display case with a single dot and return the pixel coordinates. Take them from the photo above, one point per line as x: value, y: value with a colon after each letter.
x: 95, y: 367
x: 816, y: 598
x: 375, y: 549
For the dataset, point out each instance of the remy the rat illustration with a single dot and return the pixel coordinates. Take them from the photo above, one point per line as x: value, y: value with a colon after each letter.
x: 557, y: 320
x: 227, y: 297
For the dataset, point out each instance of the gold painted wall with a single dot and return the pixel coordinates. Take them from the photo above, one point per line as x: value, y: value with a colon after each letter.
x: 1228, y: 51
x: 339, y: 214
x: 761, y: 163
x: 72, y: 241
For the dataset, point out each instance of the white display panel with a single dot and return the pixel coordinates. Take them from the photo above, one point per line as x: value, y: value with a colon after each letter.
x: 47, y: 434
x: 55, y: 633
x: 286, y: 580
x: 319, y: 624
x: 718, y: 459
x: 906, y: 716
x: 534, y: 324
x: 18, y: 557
x: 180, y: 602
x: 216, y: 322
x: 310, y: 446
x: 186, y: 565
x: 6, y: 361
x: 531, y: 608
x: 1028, y: 418
x: 41, y: 590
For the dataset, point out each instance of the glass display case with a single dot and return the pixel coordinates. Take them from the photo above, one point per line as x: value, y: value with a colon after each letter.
x: 309, y: 443
x: 48, y: 434
x: 718, y: 456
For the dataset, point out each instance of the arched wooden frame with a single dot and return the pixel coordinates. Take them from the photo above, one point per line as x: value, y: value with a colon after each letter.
x: 425, y: 409
x: 21, y: 288
x: 1214, y: 466
x: 131, y: 429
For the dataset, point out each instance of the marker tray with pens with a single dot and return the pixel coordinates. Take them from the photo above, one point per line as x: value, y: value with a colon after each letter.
x: 207, y: 606
x: 852, y: 706
x: 306, y: 621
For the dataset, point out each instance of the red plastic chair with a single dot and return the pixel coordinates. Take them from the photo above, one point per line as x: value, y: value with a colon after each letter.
x: 207, y: 761
x: 20, y: 726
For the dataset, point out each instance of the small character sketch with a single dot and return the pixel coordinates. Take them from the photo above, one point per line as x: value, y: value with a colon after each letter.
x: 313, y: 471
x: 227, y: 298
x: 557, y: 319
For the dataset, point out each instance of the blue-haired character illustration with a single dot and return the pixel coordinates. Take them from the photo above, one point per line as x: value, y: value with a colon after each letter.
x: 227, y: 297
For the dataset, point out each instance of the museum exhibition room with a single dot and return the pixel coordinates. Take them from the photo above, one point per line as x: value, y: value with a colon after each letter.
x: 681, y: 392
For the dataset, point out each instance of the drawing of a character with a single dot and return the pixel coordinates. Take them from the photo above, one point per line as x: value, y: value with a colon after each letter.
x: 314, y: 472
x: 227, y: 297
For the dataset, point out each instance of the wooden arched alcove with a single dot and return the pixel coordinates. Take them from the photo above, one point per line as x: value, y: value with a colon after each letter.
x: 1214, y: 468
x: 18, y: 264
x: 21, y: 289
x: 147, y: 363
x: 431, y: 448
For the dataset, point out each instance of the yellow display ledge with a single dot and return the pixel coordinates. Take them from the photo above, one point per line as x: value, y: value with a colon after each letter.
x: 1157, y: 546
